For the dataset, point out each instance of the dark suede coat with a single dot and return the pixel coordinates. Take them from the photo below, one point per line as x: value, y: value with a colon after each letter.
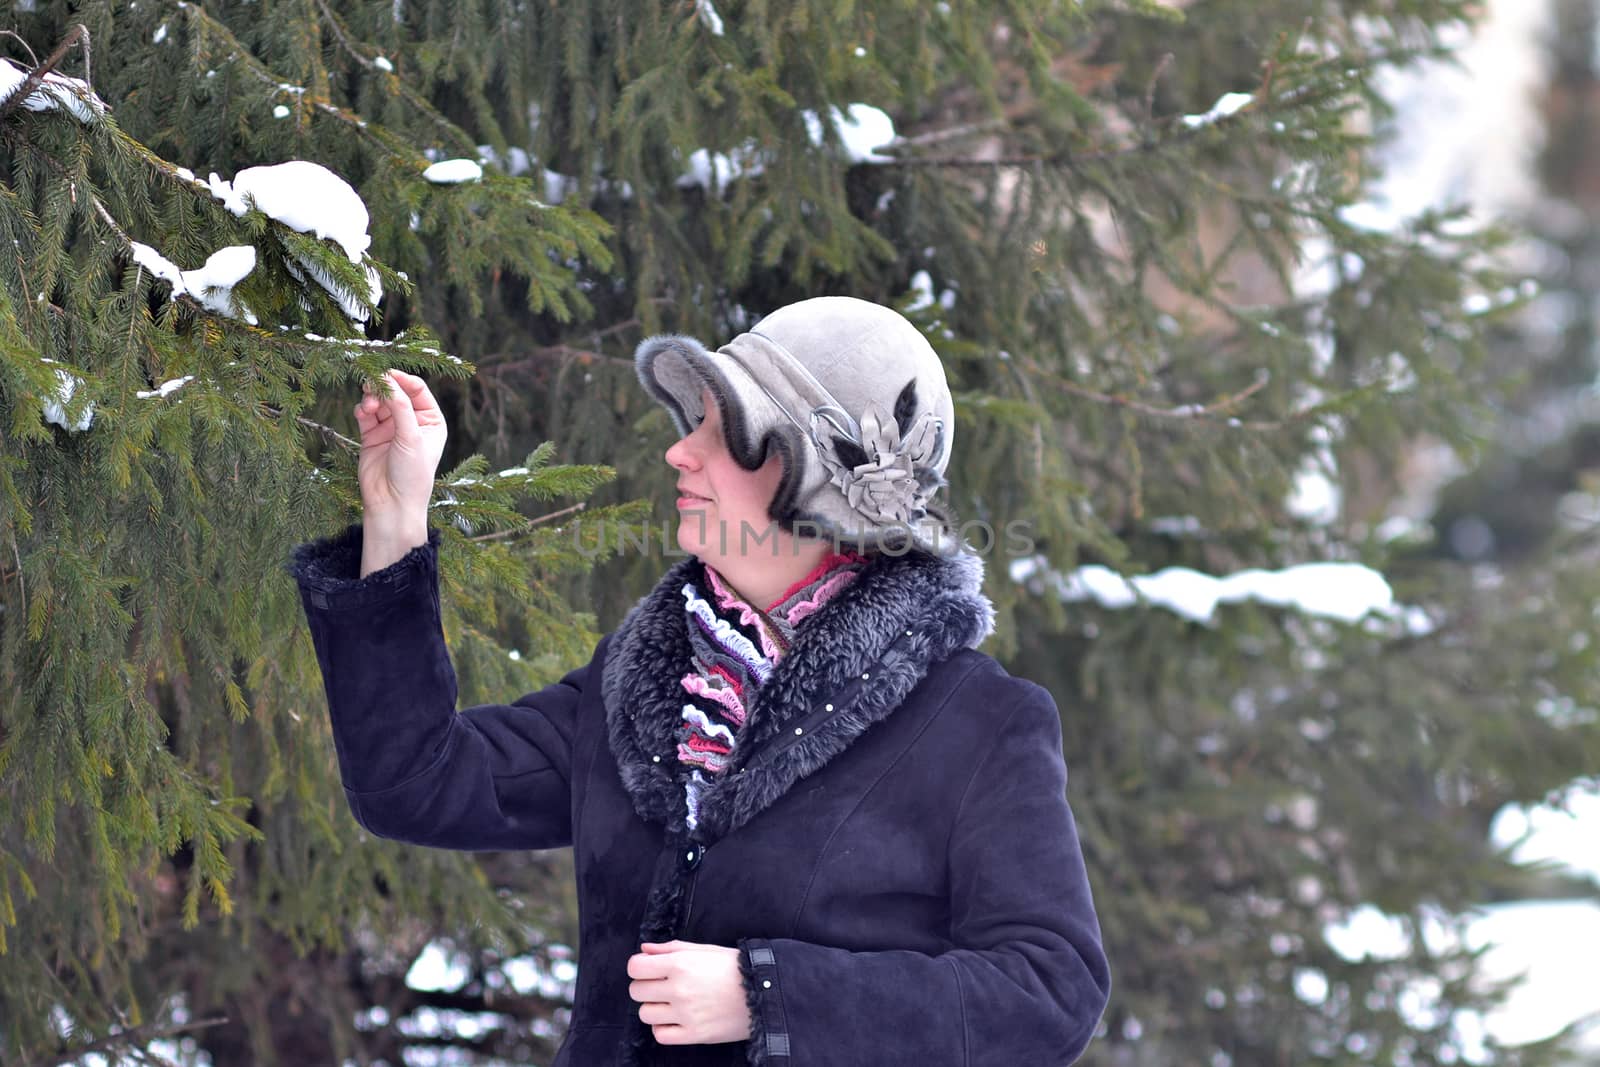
x: 895, y: 856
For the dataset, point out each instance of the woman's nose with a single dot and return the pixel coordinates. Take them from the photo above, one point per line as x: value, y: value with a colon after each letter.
x: 680, y: 454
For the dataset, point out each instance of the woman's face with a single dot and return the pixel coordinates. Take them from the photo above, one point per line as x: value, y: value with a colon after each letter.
x: 722, y: 508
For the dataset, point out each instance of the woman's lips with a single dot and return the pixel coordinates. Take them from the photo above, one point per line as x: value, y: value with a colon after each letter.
x: 689, y: 500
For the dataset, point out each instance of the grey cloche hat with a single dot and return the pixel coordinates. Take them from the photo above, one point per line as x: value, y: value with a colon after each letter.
x: 852, y: 396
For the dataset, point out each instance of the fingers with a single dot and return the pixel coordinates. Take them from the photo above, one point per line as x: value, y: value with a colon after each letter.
x: 673, y: 1034
x: 398, y: 407
x: 647, y: 967
x: 650, y: 992
x: 408, y: 398
x: 663, y: 946
x: 416, y: 389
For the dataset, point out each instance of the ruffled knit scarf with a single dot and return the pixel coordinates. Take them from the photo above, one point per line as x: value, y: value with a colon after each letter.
x: 734, y: 649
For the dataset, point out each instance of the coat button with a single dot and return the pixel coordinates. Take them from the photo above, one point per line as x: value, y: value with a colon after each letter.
x: 864, y: 674
x: 691, y: 858
x: 798, y: 730
x: 655, y: 759
x: 827, y: 707
x: 766, y: 983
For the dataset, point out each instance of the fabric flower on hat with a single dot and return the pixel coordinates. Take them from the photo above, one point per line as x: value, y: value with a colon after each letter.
x: 884, y: 476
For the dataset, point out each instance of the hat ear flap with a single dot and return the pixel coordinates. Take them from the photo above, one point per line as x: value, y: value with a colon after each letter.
x: 905, y: 408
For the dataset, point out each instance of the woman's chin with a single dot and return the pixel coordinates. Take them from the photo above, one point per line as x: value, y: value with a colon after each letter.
x: 690, y: 539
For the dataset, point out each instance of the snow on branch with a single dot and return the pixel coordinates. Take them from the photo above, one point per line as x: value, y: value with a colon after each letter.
x: 862, y: 129
x: 454, y: 172
x: 41, y: 89
x: 309, y: 198
x: 1347, y: 592
x: 1226, y: 105
x: 707, y: 13
x: 212, y: 285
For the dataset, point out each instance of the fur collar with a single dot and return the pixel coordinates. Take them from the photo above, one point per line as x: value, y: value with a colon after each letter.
x: 862, y: 652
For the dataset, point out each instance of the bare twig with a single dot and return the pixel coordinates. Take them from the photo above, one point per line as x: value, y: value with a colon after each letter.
x: 22, y: 581
x: 1150, y: 90
x: 31, y: 53
x: 502, y: 534
x: 36, y: 76
x: 315, y: 425
x: 945, y: 134
x: 330, y: 431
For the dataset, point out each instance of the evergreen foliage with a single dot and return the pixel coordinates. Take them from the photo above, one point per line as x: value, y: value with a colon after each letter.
x: 1122, y: 200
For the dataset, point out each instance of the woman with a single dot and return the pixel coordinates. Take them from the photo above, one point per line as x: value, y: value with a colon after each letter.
x: 897, y: 878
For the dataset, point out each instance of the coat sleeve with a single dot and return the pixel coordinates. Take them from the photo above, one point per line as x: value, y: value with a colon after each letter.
x: 1027, y: 980
x: 495, y: 776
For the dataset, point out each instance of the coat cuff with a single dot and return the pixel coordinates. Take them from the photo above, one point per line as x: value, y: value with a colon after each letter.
x: 769, y: 1034
x: 328, y: 570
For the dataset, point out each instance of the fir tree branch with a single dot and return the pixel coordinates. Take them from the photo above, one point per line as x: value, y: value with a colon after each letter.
x: 327, y: 430
x: 129, y: 1039
x: 1148, y: 144
x: 545, y: 353
x: 265, y: 74
x: 344, y: 38
x: 1187, y: 411
x: 502, y: 534
x: 107, y: 218
x: 36, y: 76
x: 1066, y: 158
x: 946, y: 133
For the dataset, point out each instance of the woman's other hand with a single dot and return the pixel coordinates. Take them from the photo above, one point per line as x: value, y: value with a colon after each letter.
x: 689, y: 993
x: 402, y: 441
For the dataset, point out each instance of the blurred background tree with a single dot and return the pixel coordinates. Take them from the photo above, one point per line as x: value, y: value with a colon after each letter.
x: 1184, y: 345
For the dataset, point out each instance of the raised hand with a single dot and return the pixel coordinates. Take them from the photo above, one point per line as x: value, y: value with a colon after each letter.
x: 402, y: 441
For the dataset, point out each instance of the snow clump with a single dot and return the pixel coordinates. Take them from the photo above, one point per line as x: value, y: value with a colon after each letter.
x: 212, y: 285
x: 454, y: 171
x: 310, y: 198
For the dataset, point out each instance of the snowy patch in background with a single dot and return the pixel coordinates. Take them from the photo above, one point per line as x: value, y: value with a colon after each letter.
x: 1226, y: 105
x: 1545, y: 833
x: 708, y: 15
x: 438, y: 968
x: 1347, y: 592
x: 1434, y: 155
x: 516, y: 163
x: 922, y: 286
x: 1550, y: 946
x: 862, y: 129
x: 1317, y: 497
x: 1437, y: 154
